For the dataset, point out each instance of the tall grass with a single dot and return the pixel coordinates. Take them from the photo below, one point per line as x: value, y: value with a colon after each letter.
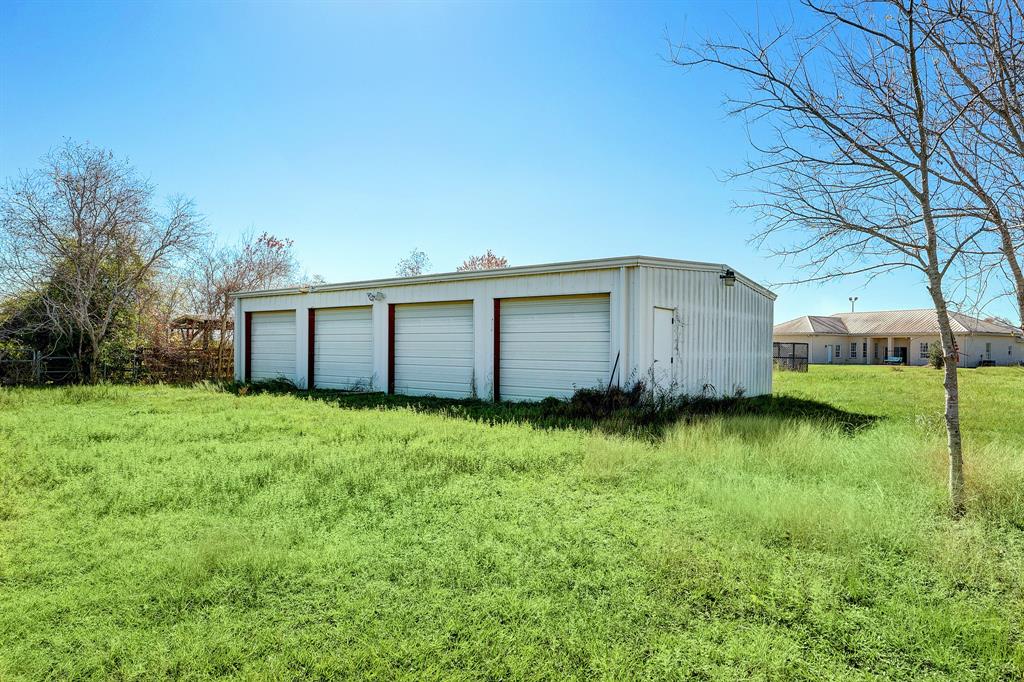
x: 158, y: 532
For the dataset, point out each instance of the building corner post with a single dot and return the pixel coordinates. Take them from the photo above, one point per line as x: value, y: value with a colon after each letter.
x: 624, y: 327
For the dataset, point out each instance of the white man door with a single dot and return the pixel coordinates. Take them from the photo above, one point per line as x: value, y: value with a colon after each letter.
x: 664, y: 347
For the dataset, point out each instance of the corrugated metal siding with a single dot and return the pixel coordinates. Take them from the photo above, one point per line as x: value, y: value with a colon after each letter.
x: 434, y: 349
x: 273, y: 345
x: 552, y: 346
x: 482, y: 292
x: 343, y: 348
x: 708, y: 352
x: 723, y: 335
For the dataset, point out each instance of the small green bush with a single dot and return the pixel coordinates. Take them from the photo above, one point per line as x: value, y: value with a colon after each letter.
x: 935, y: 356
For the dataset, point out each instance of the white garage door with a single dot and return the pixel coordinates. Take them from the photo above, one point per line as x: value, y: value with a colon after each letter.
x: 552, y: 346
x: 434, y: 349
x: 343, y: 348
x: 272, y: 346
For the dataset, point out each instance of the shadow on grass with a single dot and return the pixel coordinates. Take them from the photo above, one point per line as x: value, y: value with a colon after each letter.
x: 619, y: 413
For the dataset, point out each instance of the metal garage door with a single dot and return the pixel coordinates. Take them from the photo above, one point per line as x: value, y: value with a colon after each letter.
x: 552, y: 346
x: 343, y: 348
x: 433, y: 351
x: 272, y: 345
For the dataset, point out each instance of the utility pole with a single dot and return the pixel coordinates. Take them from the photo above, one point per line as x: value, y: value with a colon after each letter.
x: 853, y: 302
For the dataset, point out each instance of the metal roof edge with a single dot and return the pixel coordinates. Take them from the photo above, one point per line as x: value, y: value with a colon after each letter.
x: 1014, y: 332
x: 902, y: 334
x: 540, y: 269
x: 651, y: 261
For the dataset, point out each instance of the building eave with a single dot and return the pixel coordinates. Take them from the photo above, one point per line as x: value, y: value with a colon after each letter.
x: 516, y: 271
x: 901, y: 334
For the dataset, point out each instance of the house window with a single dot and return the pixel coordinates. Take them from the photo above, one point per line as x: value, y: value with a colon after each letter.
x: 924, y: 351
x: 988, y: 350
x: 839, y: 351
x: 865, y: 349
x: 853, y: 350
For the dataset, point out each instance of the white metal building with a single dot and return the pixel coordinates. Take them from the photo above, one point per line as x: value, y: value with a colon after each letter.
x: 520, y: 333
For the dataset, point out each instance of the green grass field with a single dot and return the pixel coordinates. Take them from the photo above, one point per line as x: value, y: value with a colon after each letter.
x: 167, y: 532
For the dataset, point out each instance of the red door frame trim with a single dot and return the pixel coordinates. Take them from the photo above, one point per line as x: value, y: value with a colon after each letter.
x: 391, y: 348
x: 497, y: 350
x: 248, y: 347
x: 310, y: 350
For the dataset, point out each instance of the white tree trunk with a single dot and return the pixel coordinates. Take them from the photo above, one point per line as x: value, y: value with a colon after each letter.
x: 950, y: 382
x: 1012, y: 261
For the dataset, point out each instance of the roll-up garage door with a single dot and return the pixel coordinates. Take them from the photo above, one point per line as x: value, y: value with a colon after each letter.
x: 272, y: 345
x: 552, y: 346
x: 343, y: 348
x: 433, y: 353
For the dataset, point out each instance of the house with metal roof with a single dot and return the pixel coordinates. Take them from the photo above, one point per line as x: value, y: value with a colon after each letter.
x: 871, y: 338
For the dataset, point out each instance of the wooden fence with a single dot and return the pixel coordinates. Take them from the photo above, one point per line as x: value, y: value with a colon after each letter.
x: 171, y: 365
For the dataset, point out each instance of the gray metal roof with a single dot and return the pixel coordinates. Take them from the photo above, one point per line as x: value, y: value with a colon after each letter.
x: 891, y: 323
x: 517, y: 270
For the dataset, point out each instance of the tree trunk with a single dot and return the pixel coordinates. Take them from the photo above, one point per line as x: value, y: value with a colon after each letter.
x: 950, y: 382
x: 80, y: 366
x: 1006, y: 244
x: 94, y: 364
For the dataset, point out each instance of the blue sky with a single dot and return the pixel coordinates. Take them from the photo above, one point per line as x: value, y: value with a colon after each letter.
x: 543, y: 131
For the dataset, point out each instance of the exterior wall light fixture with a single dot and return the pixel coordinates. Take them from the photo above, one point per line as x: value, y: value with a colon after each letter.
x: 729, y: 277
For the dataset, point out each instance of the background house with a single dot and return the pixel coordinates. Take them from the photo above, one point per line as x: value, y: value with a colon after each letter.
x: 868, y: 338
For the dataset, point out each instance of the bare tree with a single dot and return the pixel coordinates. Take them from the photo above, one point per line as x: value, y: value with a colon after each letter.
x: 255, y: 262
x: 486, y: 261
x: 851, y: 179
x: 161, y: 300
x: 981, y: 45
x: 83, y: 236
x: 416, y: 263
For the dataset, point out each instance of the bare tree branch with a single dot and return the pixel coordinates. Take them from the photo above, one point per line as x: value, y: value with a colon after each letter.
x: 857, y: 170
x: 81, y: 237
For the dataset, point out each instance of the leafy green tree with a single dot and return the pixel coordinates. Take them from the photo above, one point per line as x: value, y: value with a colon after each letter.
x: 80, y: 238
